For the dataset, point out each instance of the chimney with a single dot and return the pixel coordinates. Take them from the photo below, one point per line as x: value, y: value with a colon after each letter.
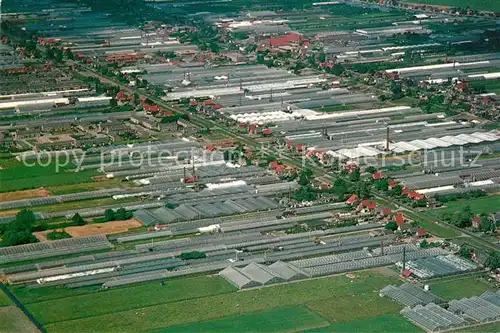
x: 184, y: 173
x: 404, y: 259
x: 387, y: 140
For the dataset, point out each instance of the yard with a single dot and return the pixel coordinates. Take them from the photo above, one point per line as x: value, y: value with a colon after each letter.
x: 182, y: 302
x: 385, y: 323
x: 4, y: 300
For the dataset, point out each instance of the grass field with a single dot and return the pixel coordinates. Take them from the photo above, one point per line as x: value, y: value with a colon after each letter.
x: 4, y: 300
x: 495, y: 327
x: 386, y: 323
x: 276, y: 320
x: 13, y: 320
x: 489, y: 204
x: 17, y: 176
x: 200, y: 299
x: 456, y: 288
x: 432, y: 227
x: 488, y: 5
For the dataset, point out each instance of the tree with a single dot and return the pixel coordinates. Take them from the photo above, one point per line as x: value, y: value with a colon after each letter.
x: 305, y: 193
x: 465, y: 252
x: 493, y: 260
x: 69, y: 54
x: 371, y: 169
x: 20, y: 230
x: 338, y: 69
x: 362, y: 190
x: 78, y: 220
x: 355, y: 175
x: 391, y: 225
x: 121, y: 214
x: 109, y: 215
x: 137, y: 99
x: 382, y: 184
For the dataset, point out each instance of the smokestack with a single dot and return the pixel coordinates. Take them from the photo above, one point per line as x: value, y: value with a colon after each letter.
x: 382, y: 247
x: 387, y: 140
x: 184, y: 173
x: 404, y: 259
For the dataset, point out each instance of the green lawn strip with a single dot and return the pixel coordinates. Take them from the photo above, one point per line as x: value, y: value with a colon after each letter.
x: 122, y: 299
x: 276, y: 320
x: 456, y: 288
x: 331, y: 290
x: 385, y: 323
x: 432, y: 227
x: 29, y: 295
x: 4, y: 300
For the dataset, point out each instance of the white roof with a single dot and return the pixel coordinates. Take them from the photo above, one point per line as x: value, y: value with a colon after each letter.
x: 435, y: 189
x: 93, y: 98
x: 485, y: 136
x: 438, y: 143
x: 13, y: 104
x: 453, y: 140
x: 440, y: 66
x: 482, y: 182
x: 469, y: 138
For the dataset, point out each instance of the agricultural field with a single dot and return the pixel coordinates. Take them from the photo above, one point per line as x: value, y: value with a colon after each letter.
x: 13, y: 320
x: 148, y: 307
x: 456, y: 288
x: 434, y: 228
x: 487, y: 5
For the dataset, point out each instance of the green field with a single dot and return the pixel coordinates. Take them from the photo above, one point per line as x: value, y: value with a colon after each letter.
x: 460, y: 287
x: 16, y: 176
x: 386, y: 323
x: 202, y: 299
x: 276, y: 320
x: 487, y: 5
x: 4, y: 300
x: 432, y: 227
x: 489, y: 204
x: 13, y: 320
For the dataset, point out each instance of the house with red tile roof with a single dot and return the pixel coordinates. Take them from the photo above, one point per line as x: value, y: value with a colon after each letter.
x: 384, y: 211
x: 291, y: 38
x: 377, y: 175
x: 352, y: 199
x: 393, y: 184
x: 367, y: 206
x: 476, y: 222
x: 421, y: 232
x: 399, y: 218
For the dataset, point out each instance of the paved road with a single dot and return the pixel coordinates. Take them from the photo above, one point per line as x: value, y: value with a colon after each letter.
x: 284, y: 157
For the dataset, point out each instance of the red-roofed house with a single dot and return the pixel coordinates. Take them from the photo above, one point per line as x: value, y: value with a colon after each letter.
x: 273, y: 165
x: 210, y: 147
x: 367, y: 206
x: 405, y: 191
x: 421, y: 232
x: 407, y: 273
x: 393, y: 184
x: 190, y: 180
x: 192, y: 102
x: 208, y: 102
x: 399, y: 218
x: 300, y: 147
x: 385, y: 211
x: 267, y: 131
x: 352, y: 199
x: 415, y: 195
x: 476, y: 222
x: 291, y: 38
x: 377, y: 175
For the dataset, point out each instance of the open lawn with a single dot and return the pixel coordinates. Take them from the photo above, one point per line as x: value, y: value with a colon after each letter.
x: 386, y: 323
x: 13, y: 320
x: 276, y: 320
x: 455, y: 288
x: 488, y: 5
x: 148, y: 307
x: 495, y: 327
